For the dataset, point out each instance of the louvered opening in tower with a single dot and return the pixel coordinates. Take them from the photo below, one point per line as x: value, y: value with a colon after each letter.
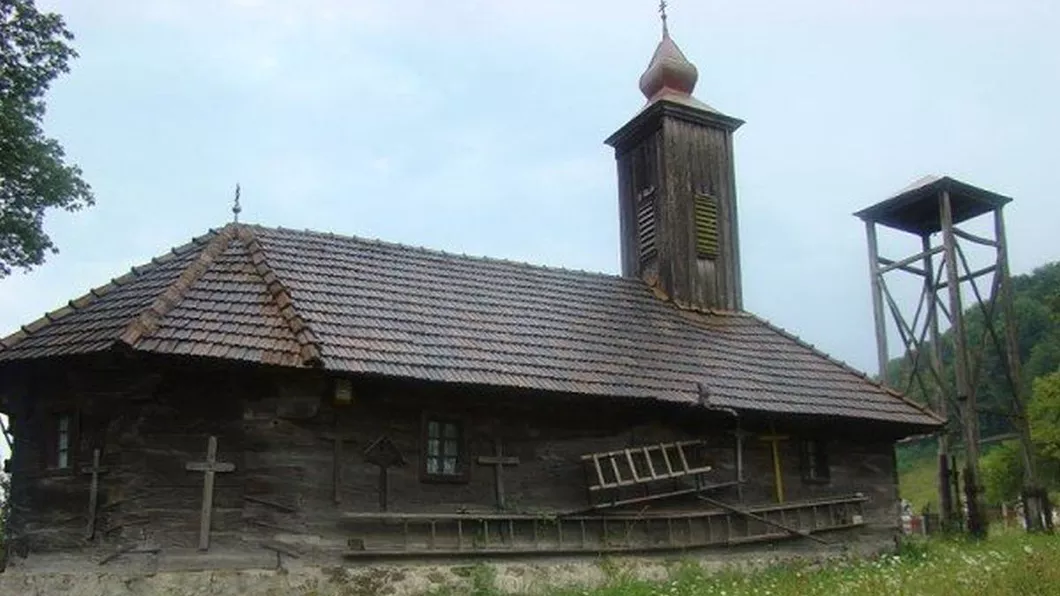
x: 706, y: 226
x: 646, y: 224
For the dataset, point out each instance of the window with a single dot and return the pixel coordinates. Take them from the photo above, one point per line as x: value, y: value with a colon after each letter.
x: 60, y: 440
x: 62, y: 448
x: 443, y: 457
x: 814, y: 461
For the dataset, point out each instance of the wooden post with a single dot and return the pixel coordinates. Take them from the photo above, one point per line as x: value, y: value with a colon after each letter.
x: 778, y: 476
x: 965, y: 392
x: 498, y: 460
x: 1032, y: 502
x: 93, y: 493
x: 209, y: 467
x: 941, y: 405
x: 877, y: 301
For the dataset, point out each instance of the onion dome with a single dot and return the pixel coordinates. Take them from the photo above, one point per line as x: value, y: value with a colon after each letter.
x: 669, y: 73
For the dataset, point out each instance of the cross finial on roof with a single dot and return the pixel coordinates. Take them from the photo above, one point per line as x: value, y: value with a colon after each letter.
x: 662, y: 15
x: 236, y: 208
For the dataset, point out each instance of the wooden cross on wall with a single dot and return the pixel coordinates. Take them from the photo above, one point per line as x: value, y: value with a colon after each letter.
x: 778, y: 477
x: 209, y: 467
x: 383, y: 453
x: 498, y: 460
x: 93, y: 493
x: 739, y: 434
x: 337, y: 438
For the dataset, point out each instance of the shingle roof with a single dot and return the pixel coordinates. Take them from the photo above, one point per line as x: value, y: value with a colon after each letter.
x: 350, y: 305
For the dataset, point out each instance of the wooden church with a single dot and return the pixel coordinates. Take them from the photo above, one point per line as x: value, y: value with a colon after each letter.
x: 266, y: 392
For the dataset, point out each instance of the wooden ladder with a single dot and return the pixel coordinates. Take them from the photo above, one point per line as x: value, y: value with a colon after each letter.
x: 640, y: 465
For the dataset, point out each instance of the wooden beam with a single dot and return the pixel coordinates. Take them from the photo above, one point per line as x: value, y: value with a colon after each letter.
x: 970, y: 418
x: 906, y: 261
x: 969, y: 276
x: 941, y: 389
x: 877, y: 302
x: 906, y: 268
x: 763, y: 519
x: 973, y: 238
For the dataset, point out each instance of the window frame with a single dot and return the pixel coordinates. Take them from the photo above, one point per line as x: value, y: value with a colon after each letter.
x: 463, y: 466
x: 51, y: 450
x: 813, y: 461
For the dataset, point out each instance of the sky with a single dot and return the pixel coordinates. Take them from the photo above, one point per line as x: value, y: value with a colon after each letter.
x: 476, y: 127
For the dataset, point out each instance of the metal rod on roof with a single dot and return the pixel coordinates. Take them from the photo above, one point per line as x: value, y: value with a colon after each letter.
x: 236, y: 207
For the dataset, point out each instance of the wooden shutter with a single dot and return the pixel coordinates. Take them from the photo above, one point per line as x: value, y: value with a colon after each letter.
x: 706, y: 226
x: 646, y: 224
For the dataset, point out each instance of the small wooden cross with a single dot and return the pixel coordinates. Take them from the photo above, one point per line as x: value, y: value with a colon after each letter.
x: 337, y: 439
x: 209, y: 467
x: 778, y: 477
x: 93, y: 493
x: 383, y: 453
x: 498, y: 460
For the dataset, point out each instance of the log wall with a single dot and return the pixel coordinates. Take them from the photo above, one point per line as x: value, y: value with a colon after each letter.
x: 150, y: 418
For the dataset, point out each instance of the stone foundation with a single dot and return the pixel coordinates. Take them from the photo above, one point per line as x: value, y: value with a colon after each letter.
x: 187, y: 574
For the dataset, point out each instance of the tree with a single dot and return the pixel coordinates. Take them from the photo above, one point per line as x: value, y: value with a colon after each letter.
x: 1002, y: 471
x: 34, y: 50
x: 1044, y: 413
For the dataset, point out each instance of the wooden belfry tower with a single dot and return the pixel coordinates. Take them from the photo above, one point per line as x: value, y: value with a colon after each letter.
x: 932, y: 208
x: 677, y: 189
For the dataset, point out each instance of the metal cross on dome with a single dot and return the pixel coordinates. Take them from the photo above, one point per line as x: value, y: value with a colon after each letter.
x: 662, y: 15
x: 236, y: 208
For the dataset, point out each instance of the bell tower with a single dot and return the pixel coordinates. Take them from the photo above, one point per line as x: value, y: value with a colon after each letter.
x: 677, y: 188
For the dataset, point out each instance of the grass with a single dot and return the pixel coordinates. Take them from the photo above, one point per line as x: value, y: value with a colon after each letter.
x: 1007, y: 564
x: 918, y: 483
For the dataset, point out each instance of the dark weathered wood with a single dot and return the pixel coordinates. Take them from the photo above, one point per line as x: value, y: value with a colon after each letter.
x: 498, y: 460
x: 93, y: 493
x: 268, y: 503
x: 965, y: 391
x: 384, y: 454
x: 739, y: 435
x: 209, y: 467
x: 130, y: 549
x: 286, y: 470
x: 337, y: 439
x: 280, y: 547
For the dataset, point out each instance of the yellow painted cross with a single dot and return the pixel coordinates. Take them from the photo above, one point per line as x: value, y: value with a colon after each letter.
x: 778, y: 478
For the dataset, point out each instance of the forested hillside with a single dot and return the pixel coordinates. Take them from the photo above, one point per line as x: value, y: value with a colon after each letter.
x: 1036, y: 302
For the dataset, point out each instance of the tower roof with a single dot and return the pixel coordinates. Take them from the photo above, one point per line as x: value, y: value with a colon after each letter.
x: 915, y: 209
x: 669, y: 73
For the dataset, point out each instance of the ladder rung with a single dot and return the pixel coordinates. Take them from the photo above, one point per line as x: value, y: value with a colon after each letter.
x: 632, y: 466
x: 681, y: 454
x: 614, y: 468
x: 651, y: 468
x: 669, y: 467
